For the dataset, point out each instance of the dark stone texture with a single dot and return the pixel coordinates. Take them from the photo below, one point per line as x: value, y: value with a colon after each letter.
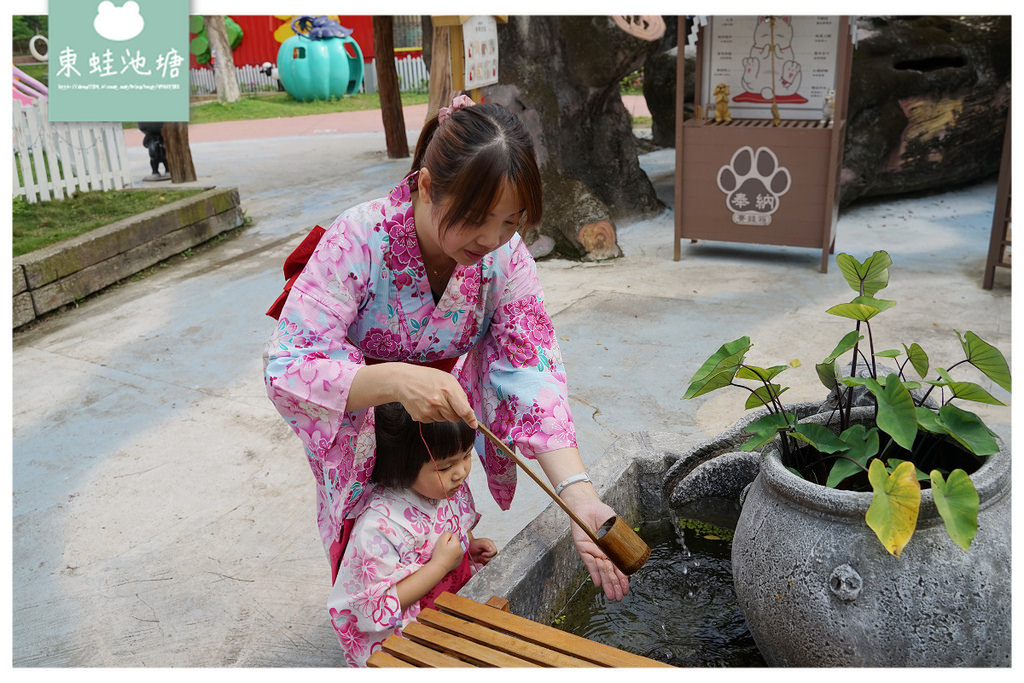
x: 561, y: 75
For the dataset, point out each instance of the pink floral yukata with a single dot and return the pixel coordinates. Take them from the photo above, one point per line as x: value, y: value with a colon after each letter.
x: 394, y: 535
x: 365, y: 291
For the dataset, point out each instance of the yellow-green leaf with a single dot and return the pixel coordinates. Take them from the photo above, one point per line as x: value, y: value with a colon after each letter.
x: 957, y: 501
x: 894, y: 506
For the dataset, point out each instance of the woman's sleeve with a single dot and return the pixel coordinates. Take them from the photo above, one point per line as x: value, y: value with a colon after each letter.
x: 308, y: 362
x: 521, y: 392
x: 363, y: 604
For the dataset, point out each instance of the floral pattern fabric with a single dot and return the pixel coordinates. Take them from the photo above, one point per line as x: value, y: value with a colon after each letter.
x: 365, y: 293
x: 393, y: 536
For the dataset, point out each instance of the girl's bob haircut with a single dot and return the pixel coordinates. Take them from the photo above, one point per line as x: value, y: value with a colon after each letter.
x: 470, y: 156
x: 400, y: 448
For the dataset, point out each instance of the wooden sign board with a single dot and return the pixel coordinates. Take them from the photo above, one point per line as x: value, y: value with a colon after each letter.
x: 747, y: 178
x: 792, y: 59
x: 473, y: 45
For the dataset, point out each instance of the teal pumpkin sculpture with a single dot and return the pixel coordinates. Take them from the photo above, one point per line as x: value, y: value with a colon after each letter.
x: 321, y: 61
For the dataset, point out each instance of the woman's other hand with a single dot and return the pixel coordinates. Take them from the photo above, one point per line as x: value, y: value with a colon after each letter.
x: 602, y: 571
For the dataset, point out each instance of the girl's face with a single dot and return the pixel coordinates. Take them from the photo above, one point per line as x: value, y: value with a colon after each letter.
x: 453, y: 470
x: 467, y: 243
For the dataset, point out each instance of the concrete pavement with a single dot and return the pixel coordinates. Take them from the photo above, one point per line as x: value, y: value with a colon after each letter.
x: 163, y: 514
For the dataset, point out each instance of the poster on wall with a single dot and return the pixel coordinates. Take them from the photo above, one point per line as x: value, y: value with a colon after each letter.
x: 480, y: 46
x: 790, y: 60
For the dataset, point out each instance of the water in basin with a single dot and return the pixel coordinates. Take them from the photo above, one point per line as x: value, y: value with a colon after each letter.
x: 681, y: 608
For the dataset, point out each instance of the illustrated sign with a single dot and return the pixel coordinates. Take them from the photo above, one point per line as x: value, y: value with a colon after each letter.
x: 791, y: 60
x: 480, y: 51
x: 118, y: 61
x: 753, y: 182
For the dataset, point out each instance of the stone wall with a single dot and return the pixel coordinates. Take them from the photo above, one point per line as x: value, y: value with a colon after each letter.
x: 61, y: 273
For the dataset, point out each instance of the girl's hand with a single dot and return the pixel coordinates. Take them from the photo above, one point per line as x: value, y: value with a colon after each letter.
x: 447, y: 552
x: 481, y: 550
x: 432, y: 395
x: 602, y: 571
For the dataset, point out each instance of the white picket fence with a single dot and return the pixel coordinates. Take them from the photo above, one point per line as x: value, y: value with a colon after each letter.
x: 412, y: 77
x: 53, y: 160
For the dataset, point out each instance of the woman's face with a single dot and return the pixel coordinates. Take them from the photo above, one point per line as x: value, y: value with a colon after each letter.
x: 453, y: 471
x: 467, y: 243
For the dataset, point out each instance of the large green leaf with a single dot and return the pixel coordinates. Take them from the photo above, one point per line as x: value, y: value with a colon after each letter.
x: 918, y: 358
x: 968, y: 429
x: 957, y: 501
x: 760, y: 374
x: 763, y: 396
x: 986, y: 358
x: 862, y: 445
x: 893, y: 463
x: 892, y: 514
x: 822, y: 438
x: 854, y: 311
x: 827, y: 374
x: 718, y: 370
x: 868, y: 277
x: 764, y: 429
x: 968, y: 391
x: 929, y: 421
x: 897, y: 414
x: 862, y: 308
x: 845, y: 344
x: 888, y: 353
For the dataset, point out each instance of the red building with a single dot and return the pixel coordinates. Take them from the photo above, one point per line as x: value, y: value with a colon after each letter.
x: 262, y: 36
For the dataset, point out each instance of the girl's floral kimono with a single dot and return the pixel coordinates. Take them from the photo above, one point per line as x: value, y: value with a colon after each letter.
x: 393, y: 536
x: 363, y: 291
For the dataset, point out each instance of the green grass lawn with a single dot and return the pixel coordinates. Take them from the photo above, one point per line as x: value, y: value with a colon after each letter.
x: 44, y: 223
x: 282, y: 104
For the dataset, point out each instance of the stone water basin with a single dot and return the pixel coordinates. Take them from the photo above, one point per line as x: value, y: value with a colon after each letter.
x: 681, y: 608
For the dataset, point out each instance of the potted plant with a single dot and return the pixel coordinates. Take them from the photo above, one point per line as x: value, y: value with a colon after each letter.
x: 877, y: 532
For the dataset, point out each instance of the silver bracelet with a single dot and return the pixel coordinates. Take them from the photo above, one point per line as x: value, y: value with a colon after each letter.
x: 570, y: 480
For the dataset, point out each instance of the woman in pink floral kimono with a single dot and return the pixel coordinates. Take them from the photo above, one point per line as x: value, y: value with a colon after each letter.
x: 430, y: 298
x: 412, y: 538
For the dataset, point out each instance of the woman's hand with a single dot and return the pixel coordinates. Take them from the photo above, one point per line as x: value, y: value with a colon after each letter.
x: 432, y: 395
x: 602, y: 571
x: 481, y: 550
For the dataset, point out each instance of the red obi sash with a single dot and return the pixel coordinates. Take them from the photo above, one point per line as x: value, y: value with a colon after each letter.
x: 293, y: 266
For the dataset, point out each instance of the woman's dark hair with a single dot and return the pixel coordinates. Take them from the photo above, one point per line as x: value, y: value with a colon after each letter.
x: 471, y: 155
x: 400, y: 450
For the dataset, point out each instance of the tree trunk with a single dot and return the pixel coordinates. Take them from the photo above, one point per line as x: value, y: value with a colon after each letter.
x: 223, y: 62
x: 440, y: 86
x: 387, y: 88
x: 179, y: 154
x: 561, y: 75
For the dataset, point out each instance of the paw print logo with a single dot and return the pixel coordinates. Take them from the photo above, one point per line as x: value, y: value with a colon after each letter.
x: 753, y: 182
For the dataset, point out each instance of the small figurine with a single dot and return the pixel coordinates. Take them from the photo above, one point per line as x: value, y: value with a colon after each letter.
x: 828, y: 109
x: 722, y: 114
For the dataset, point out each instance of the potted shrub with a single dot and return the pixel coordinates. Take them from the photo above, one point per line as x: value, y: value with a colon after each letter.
x: 877, y: 532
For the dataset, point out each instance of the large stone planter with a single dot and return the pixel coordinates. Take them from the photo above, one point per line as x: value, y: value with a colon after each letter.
x: 818, y: 589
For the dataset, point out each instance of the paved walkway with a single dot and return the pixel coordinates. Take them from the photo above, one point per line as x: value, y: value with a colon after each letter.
x: 163, y: 514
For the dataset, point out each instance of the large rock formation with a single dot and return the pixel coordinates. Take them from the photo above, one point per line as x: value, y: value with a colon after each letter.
x: 928, y: 102
x: 561, y: 75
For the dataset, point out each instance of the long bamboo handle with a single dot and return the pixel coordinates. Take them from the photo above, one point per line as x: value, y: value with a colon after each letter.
x: 540, y: 482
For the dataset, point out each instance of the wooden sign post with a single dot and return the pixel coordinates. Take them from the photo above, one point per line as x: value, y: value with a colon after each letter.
x: 759, y: 163
x: 472, y: 51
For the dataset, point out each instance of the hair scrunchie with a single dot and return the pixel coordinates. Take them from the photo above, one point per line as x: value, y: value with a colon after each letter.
x: 458, y: 102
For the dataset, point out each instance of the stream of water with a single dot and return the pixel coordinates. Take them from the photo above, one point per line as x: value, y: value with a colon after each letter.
x: 681, y: 608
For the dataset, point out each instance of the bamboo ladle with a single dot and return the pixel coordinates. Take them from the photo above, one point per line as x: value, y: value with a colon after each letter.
x: 620, y: 543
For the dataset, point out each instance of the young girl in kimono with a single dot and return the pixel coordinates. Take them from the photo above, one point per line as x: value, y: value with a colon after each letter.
x: 429, y: 297
x: 411, y: 539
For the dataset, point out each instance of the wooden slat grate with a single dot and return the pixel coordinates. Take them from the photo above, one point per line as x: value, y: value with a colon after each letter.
x: 462, y: 632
